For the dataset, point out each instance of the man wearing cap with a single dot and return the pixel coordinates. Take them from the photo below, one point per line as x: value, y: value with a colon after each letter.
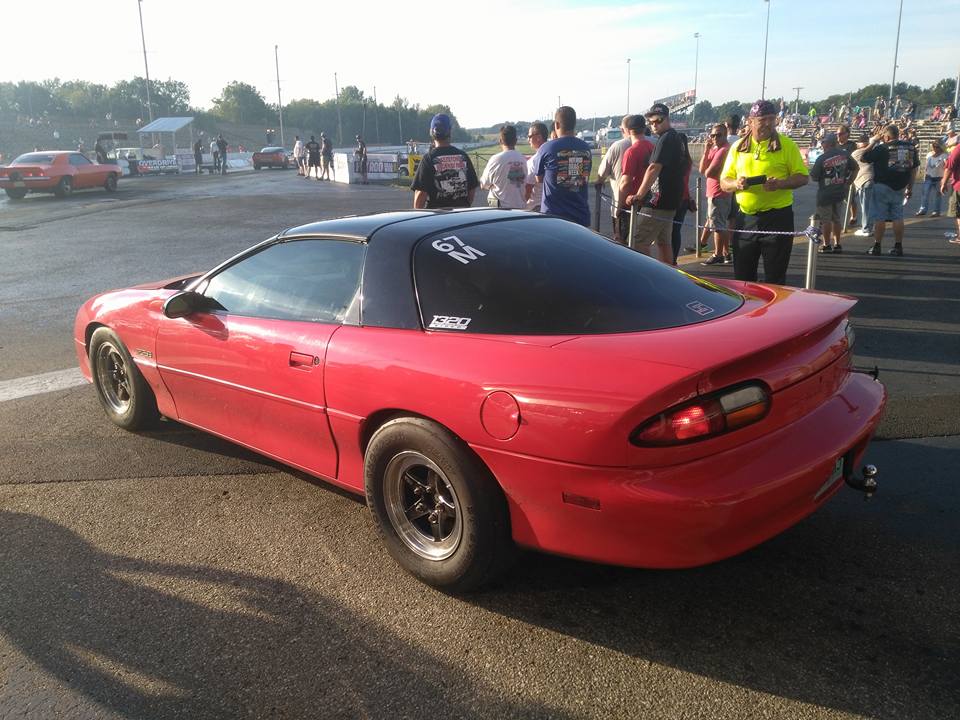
x: 445, y: 177
x: 763, y: 169
x: 313, y: 156
x: 611, y: 166
x: 832, y: 172
x: 564, y: 170
x: 634, y: 165
x: 664, y: 180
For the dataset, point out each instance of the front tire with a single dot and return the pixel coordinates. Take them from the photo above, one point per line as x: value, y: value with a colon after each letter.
x: 256, y: 167
x: 111, y: 183
x: 16, y: 193
x: 124, y: 393
x: 64, y: 187
x: 440, y: 512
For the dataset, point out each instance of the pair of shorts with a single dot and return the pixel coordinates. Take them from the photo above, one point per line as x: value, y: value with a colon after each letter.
x: 314, y: 161
x: 718, y: 213
x: 326, y: 162
x: 652, y: 226
x: 831, y: 212
x: 886, y: 205
x: 953, y: 207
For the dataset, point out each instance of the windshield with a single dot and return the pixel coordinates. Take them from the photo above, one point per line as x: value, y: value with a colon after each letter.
x: 547, y: 276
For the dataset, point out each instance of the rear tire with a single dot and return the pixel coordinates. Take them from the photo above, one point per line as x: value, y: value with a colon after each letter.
x: 124, y: 393
x: 64, y: 187
x: 440, y: 512
x: 256, y: 167
x: 16, y: 193
x: 111, y: 183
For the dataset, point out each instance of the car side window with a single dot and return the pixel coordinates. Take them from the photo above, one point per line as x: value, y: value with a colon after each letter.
x: 78, y: 159
x: 311, y: 280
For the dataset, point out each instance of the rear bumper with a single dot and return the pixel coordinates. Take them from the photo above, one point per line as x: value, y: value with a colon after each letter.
x: 698, y: 512
x: 29, y: 183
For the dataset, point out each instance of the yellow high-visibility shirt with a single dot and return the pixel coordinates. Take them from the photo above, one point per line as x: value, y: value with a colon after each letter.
x: 759, y: 160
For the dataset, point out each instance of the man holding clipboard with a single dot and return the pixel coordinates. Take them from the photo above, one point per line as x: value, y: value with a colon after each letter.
x: 763, y: 169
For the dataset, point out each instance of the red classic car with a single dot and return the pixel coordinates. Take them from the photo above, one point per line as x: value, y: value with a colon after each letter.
x: 56, y: 171
x: 271, y: 157
x: 492, y: 379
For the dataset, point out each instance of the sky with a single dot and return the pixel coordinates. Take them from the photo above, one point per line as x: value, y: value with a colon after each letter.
x: 492, y: 61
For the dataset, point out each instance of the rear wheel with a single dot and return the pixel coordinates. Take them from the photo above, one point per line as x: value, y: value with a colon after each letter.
x: 256, y: 167
x: 64, y: 187
x: 111, y: 183
x: 123, y: 392
x: 440, y: 512
x: 16, y: 193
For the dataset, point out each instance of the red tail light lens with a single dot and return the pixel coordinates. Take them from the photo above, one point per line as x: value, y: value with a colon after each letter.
x: 705, y: 417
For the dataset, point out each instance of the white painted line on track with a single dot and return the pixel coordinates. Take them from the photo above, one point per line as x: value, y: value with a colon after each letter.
x: 39, y: 384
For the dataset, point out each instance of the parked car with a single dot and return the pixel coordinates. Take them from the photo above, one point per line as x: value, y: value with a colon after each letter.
x: 55, y: 171
x: 489, y: 379
x: 271, y: 157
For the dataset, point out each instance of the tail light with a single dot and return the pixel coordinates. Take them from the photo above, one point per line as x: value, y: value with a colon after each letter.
x: 705, y: 417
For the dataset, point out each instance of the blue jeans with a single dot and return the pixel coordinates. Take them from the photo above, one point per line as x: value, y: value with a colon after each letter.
x: 866, y: 198
x: 931, y: 184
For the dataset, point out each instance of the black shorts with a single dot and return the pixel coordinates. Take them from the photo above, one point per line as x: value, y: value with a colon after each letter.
x: 314, y: 160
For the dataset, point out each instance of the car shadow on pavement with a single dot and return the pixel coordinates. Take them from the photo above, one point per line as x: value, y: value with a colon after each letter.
x: 853, y: 609
x: 159, y: 640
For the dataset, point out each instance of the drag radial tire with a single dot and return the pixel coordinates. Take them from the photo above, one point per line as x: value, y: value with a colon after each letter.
x: 440, y: 512
x: 124, y: 393
x: 64, y: 187
x: 16, y: 193
x: 110, y: 185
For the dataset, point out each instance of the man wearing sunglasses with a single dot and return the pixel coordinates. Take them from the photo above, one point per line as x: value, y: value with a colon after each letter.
x: 763, y: 169
x: 664, y: 180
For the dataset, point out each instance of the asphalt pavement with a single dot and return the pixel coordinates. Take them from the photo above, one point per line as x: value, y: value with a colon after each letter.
x: 170, y: 574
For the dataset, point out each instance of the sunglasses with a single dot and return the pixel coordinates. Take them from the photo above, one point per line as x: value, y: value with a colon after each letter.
x: 715, y: 135
x: 655, y: 120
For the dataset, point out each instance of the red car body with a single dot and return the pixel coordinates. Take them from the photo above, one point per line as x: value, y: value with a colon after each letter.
x: 552, y: 417
x: 56, y: 171
x: 271, y: 157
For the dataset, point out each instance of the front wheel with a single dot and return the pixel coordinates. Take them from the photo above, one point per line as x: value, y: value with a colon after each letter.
x: 440, y: 512
x: 256, y: 167
x: 16, y: 193
x: 64, y: 187
x: 123, y: 391
x: 111, y: 183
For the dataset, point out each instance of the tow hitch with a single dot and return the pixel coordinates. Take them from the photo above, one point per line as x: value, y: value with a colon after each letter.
x: 866, y: 484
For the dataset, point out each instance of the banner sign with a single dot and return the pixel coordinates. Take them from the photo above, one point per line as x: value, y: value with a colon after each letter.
x: 145, y: 167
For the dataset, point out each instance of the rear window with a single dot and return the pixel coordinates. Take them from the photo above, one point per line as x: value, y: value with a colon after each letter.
x: 272, y: 150
x: 547, y: 276
x: 34, y: 159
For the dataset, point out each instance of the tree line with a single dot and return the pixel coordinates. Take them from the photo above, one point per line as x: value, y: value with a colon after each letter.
x: 238, y: 103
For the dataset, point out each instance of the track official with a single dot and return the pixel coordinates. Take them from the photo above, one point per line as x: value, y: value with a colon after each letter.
x: 763, y: 169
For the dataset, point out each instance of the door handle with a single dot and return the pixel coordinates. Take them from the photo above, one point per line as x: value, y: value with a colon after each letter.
x: 302, y: 359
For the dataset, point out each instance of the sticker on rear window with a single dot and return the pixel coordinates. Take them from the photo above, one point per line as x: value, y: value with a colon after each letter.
x: 700, y: 309
x: 464, y: 254
x: 448, y: 322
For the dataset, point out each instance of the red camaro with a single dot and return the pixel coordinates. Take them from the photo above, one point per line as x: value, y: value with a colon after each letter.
x: 271, y: 157
x: 56, y: 171
x: 492, y: 379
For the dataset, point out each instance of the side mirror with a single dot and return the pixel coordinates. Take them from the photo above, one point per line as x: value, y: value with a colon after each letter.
x: 183, y: 303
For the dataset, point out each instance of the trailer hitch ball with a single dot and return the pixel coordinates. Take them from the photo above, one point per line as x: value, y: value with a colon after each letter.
x: 867, y: 484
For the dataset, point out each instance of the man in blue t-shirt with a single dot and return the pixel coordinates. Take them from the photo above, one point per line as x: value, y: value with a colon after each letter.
x: 564, y: 170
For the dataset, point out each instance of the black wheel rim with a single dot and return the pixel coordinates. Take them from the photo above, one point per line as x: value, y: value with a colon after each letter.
x: 422, y: 505
x: 113, y: 378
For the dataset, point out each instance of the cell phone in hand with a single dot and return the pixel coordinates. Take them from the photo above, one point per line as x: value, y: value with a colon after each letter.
x: 755, y: 180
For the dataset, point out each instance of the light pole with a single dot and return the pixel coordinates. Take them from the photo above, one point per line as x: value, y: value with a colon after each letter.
x: 146, y: 69
x: 376, y: 113
x: 956, y: 89
x: 696, y: 67
x: 276, y: 59
x: 628, y: 86
x: 796, y: 105
x: 336, y: 88
x: 766, y: 38
x: 896, y: 51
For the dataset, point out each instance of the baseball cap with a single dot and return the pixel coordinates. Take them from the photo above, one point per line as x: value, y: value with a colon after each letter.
x: 440, y: 125
x: 657, y: 109
x: 761, y: 108
x: 635, y: 123
x: 830, y: 139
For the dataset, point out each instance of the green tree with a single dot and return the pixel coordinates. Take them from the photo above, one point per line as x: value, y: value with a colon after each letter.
x: 241, y: 103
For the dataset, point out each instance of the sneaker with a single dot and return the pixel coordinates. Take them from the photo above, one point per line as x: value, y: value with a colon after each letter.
x: 897, y: 250
x: 713, y: 260
x: 863, y: 233
x: 728, y: 259
x: 837, y: 249
x: 921, y: 212
x: 875, y: 250
x: 825, y: 249
x: 934, y: 214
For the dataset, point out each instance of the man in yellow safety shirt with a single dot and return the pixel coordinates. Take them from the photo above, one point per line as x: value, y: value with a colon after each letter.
x: 763, y: 169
